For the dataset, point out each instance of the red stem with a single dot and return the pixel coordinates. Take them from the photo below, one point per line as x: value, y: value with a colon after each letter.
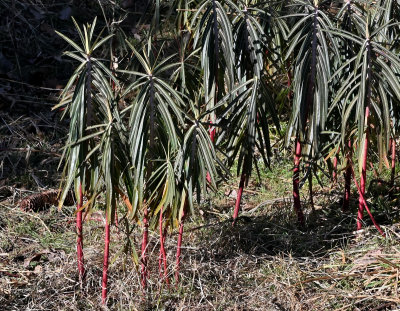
x: 79, y: 242
x: 105, y: 262
x: 178, y: 250
x: 393, y: 144
x: 239, y: 197
x: 144, y: 249
x: 362, y: 198
x: 363, y: 178
x: 347, y: 179
x: 296, y: 181
x: 212, y: 134
x: 296, y: 169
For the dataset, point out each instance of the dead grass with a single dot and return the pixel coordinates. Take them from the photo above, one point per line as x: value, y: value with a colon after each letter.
x: 264, y: 263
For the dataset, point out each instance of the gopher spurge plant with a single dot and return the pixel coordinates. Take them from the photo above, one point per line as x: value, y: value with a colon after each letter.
x: 162, y: 132
x: 94, y: 153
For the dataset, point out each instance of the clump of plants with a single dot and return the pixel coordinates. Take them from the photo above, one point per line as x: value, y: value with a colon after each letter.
x: 156, y: 124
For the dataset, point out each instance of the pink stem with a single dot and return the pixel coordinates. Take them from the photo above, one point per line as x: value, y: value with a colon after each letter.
x: 362, y: 198
x: 79, y: 242
x: 105, y: 262
x: 239, y: 197
x: 144, y: 249
x: 296, y: 192
x: 212, y: 134
x: 296, y: 169
x: 208, y: 177
x: 363, y: 178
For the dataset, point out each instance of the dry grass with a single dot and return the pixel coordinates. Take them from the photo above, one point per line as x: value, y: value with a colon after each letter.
x: 264, y: 263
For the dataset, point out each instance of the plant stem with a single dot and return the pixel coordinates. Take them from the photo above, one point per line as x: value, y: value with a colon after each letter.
x: 79, y: 242
x: 362, y: 198
x: 363, y: 178
x: 310, y: 99
x: 296, y: 181
x: 239, y: 195
x: 105, y: 262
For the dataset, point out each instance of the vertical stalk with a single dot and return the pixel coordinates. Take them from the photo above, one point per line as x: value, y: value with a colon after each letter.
x: 393, y: 146
x: 308, y: 107
x: 144, y: 249
x: 363, y: 178
x: 216, y: 57
x: 107, y: 226
x: 212, y: 134
x: 105, y: 262
x: 296, y: 169
x: 310, y: 97
x: 239, y: 195
x: 347, y: 178
x: 296, y: 182
x: 79, y: 242
x: 349, y: 47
